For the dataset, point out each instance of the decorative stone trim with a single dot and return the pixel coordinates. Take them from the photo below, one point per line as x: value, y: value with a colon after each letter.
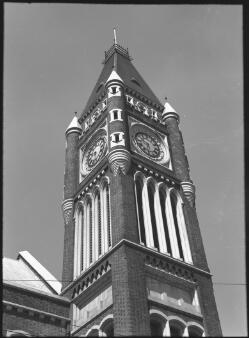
x: 74, y: 130
x: 174, y: 115
x: 91, y: 278
x: 29, y: 311
x: 67, y: 208
x: 144, y: 98
x: 88, y: 123
x: 141, y: 107
x: 157, y: 175
x: 91, y: 184
x: 189, y: 192
x: 170, y: 268
x: 119, y: 160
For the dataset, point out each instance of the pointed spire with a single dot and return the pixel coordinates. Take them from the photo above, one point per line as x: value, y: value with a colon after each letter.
x: 115, y: 36
x: 74, y: 126
x: 168, y: 108
x: 169, y: 111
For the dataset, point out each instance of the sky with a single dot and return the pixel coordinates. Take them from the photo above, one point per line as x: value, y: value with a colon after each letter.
x: 192, y: 54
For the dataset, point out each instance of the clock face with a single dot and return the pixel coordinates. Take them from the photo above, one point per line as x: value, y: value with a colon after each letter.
x: 93, y: 154
x: 149, y: 145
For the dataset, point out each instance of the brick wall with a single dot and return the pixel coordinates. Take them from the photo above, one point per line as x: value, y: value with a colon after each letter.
x: 36, y: 300
x: 130, y: 305
x: 35, y: 327
x: 123, y: 208
x: 208, y: 307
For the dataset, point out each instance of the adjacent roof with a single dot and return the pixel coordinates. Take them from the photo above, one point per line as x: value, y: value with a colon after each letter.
x: 118, y: 58
x: 26, y: 271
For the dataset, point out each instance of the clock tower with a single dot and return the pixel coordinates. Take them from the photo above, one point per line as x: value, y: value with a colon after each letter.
x: 134, y: 262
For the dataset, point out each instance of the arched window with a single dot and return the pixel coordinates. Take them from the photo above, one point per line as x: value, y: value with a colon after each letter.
x: 99, y: 224
x: 107, y: 328
x: 162, y: 196
x: 78, y: 244
x: 138, y: 190
x: 151, y: 193
x: 93, y: 333
x: 176, y: 329
x: 194, y: 331
x: 109, y: 235
x: 90, y: 227
x: 105, y: 216
x: 88, y: 233
x: 173, y: 200
x: 156, y: 326
x: 81, y: 238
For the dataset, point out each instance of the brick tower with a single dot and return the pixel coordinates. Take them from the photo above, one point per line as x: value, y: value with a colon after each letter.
x: 134, y: 262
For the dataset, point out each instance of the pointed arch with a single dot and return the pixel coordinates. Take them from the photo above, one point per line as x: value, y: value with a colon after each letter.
x: 151, y: 197
x: 162, y: 200
x: 105, y: 214
x: 78, y: 235
x: 139, y: 183
x: 97, y: 231
x: 180, y: 226
x: 195, y: 330
x: 173, y: 201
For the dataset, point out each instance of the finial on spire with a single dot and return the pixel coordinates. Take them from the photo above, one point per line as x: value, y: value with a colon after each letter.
x: 115, y: 36
x: 166, y: 98
x: 75, y: 113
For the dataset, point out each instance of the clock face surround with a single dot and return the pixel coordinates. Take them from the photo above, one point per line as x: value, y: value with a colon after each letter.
x: 93, y: 153
x: 149, y: 143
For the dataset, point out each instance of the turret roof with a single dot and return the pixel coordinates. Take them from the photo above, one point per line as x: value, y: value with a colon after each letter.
x: 168, y: 108
x: 74, y: 123
x: 118, y: 59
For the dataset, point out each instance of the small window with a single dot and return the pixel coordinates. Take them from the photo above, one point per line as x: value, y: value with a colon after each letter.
x: 116, y: 138
x: 175, y: 331
x: 114, y: 90
x: 115, y: 114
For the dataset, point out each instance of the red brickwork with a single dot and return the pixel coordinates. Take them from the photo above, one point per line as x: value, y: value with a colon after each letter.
x: 123, y: 208
x: 208, y: 307
x: 178, y: 157
x: 130, y: 308
x: 68, y: 254
x: 35, y: 327
x: 18, y: 318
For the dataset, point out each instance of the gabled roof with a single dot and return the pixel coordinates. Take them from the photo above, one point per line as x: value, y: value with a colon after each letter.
x: 118, y: 59
x: 26, y: 271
